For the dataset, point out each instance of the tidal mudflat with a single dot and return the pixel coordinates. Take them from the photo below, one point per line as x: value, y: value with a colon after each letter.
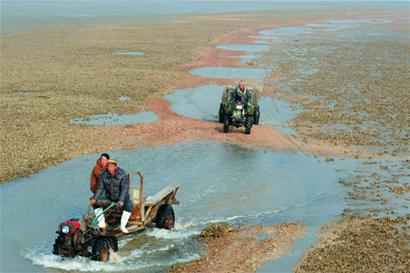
x: 297, y: 180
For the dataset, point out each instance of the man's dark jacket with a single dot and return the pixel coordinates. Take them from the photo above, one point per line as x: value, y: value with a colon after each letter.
x: 115, y: 187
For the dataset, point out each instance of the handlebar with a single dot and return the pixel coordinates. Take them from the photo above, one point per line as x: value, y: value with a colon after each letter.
x: 113, y: 204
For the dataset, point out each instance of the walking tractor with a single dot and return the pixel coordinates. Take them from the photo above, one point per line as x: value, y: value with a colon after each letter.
x: 85, y: 238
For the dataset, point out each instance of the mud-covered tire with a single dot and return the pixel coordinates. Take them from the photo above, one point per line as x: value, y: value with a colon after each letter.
x: 226, y: 124
x: 165, y: 217
x: 64, y: 246
x: 248, y: 125
x: 257, y: 115
x: 59, y: 241
x: 221, y: 113
x: 101, y: 250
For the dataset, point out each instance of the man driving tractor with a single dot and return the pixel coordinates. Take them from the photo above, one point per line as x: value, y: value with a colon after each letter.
x: 243, y: 95
x: 113, y: 185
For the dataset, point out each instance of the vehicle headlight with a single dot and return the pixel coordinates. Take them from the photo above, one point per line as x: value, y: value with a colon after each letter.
x: 65, y: 229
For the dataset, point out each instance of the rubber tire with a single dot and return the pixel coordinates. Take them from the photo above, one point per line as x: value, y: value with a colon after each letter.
x: 101, y: 250
x: 164, y: 212
x: 221, y: 113
x: 58, y: 241
x: 226, y: 124
x: 248, y: 125
x: 257, y: 115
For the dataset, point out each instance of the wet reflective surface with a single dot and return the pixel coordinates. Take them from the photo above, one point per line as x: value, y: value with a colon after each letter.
x: 230, y: 72
x: 128, y: 53
x: 116, y: 119
x: 124, y: 98
x: 220, y: 182
x: 200, y: 102
x: 244, y: 47
x: 244, y: 187
x: 279, y: 113
x: 203, y: 103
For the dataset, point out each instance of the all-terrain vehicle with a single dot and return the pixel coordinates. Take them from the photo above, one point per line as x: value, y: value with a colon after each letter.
x: 84, y: 238
x: 239, y: 116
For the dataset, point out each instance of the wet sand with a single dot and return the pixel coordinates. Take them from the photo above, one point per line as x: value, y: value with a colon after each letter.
x: 242, y: 250
x: 360, y: 244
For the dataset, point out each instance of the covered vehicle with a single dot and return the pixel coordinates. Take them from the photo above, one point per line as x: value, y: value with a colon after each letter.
x: 240, y: 113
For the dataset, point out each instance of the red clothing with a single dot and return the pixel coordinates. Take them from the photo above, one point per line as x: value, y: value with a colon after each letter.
x: 94, y: 176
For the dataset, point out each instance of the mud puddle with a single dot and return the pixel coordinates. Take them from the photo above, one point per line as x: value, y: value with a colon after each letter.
x: 128, y: 53
x: 230, y: 72
x: 116, y: 119
x: 203, y: 103
x: 123, y: 98
x: 244, y: 47
x: 244, y: 186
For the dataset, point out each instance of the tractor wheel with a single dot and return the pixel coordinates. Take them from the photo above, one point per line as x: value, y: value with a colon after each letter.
x: 59, y: 241
x: 64, y: 247
x: 257, y: 115
x: 165, y: 217
x: 101, y: 250
x: 226, y: 124
x: 221, y: 113
x: 248, y: 125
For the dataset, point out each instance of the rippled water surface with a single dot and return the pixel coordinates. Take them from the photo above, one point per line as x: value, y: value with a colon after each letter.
x: 220, y: 182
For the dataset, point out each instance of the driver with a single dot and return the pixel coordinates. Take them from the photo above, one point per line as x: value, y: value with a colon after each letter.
x: 113, y: 183
x: 241, y: 94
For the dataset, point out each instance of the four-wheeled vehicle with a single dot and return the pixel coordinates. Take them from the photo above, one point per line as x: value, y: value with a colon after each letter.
x: 239, y: 116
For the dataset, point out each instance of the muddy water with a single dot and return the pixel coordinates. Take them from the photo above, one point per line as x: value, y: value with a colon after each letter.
x: 244, y: 47
x: 230, y: 72
x: 244, y: 187
x: 203, y: 103
x: 116, y: 119
x: 128, y: 53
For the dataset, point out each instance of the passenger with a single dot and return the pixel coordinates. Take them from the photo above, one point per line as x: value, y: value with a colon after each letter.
x: 100, y: 165
x: 113, y: 185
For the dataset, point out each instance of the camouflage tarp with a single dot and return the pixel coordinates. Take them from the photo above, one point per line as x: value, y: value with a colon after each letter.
x: 256, y: 91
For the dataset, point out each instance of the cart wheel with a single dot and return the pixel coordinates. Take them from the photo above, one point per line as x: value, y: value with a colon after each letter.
x: 165, y: 217
x: 100, y: 251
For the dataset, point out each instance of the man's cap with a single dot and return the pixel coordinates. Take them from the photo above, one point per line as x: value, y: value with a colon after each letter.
x: 112, y: 161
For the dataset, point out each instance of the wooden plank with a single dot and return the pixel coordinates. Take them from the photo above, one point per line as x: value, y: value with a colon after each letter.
x: 161, y: 195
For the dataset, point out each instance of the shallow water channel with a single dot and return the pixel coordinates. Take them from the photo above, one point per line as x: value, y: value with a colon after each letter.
x: 244, y: 187
x: 203, y: 103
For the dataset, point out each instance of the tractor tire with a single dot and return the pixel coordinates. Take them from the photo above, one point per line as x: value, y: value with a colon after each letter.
x: 221, y: 113
x: 257, y: 115
x: 101, y: 250
x: 248, y: 125
x: 63, y: 248
x: 166, y: 217
x: 226, y: 124
x: 59, y: 241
